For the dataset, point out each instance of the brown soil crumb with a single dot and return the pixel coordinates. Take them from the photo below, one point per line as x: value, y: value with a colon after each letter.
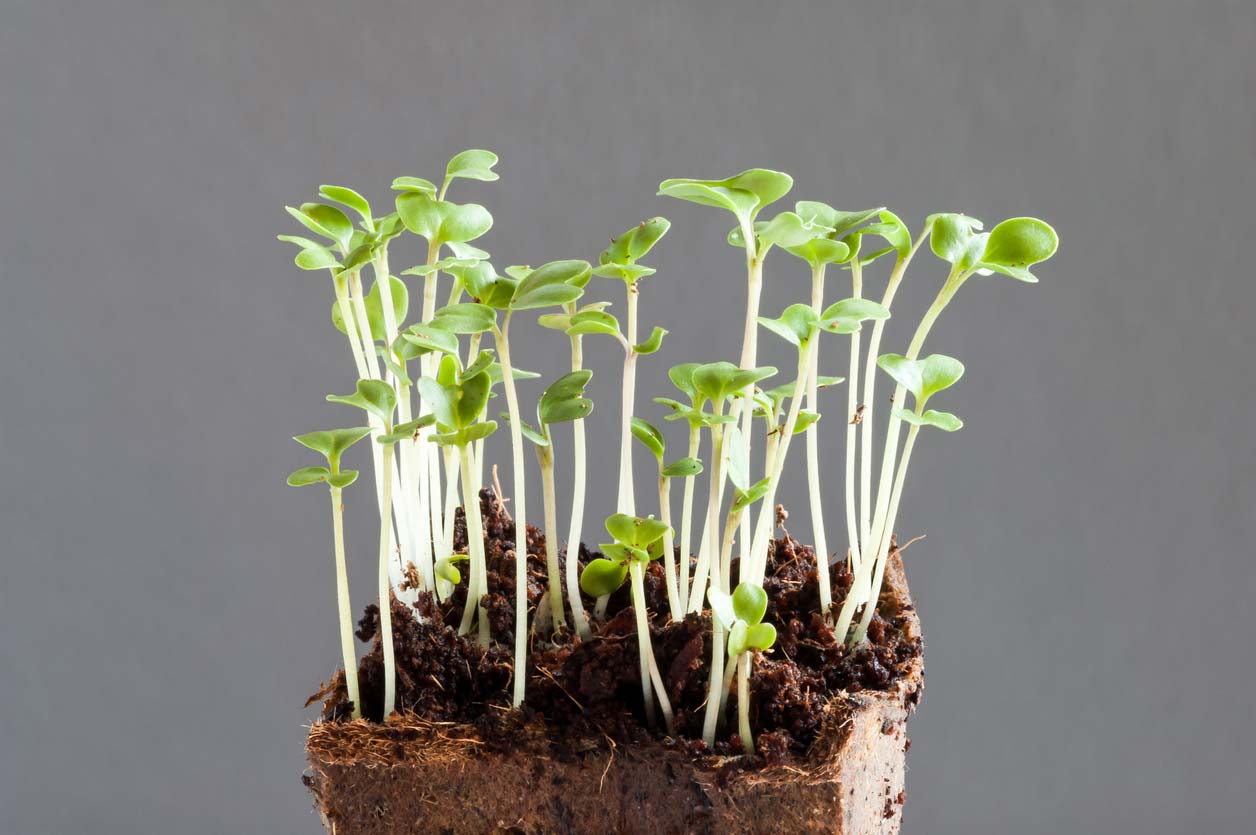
x: 593, y: 689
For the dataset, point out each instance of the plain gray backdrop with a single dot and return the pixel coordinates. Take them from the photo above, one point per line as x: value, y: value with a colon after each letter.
x: 166, y: 603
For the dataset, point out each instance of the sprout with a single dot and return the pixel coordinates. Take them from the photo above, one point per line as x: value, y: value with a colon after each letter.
x: 637, y: 542
x: 458, y: 401
x: 682, y: 377
x: 563, y: 401
x: 686, y: 467
x: 741, y: 613
x: 378, y: 400
x: 332, y: 444
x: 553, y: 284
x: 745, y: 195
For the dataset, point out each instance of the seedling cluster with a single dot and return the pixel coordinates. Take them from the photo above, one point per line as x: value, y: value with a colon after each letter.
x: 424, y: 388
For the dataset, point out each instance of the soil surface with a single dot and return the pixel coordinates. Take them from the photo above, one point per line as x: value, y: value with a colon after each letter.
x: 592, y: 688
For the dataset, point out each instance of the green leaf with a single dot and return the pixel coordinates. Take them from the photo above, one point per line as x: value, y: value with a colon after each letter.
x: 602, y: 576
x: 307, y: 476
x: 555, y: 321
x: 572, y: 272
x: 635, y: 531
x: 431, y: 337
x: 443, y: 265
x: 390, y: 362
x: 744, y: 498
x: 440, y: 221
x: 636, y: 242
x: 787, y: 229
x: 750, y: 603
x: 817, y: 251
x: 846, y: 315
x: 894, y: 231
x: 1017, y: 244
x: 415, y: 184
x: 446, y: 570
x: 951, y: 236
x: 472, y: 165
x: 682, y: 467
x: 348, y: 197
x: 342, y: 479
x: 682, y: 378
x: 312, y: 256
x: 375, y: 308
x: 717, y: 381
x: 332, y: 443
x: 796, y: 325
x: 470, y: 398
x: 594, y: 321
x: 516, y: 373
x: 806, y: 418
x: 744, y: 195
x: 938, y: 372
x: 905, y: 372
x: 478, y: 431
x: 358, y: 257
x: 374, y: 396
x: 408, y: 431
x: 649, y: 436
x: 485, y: 285
x: 551, y: 295
x: 652, y: 343
x: 480, y: 364
x: 737, y: 638
x: 564, y: 399
x: 945, y: 421
x: 760, y: 636
x: 324, y: 220
x: 467, y: 317
x: 722, y: 607
x: 630, y: 273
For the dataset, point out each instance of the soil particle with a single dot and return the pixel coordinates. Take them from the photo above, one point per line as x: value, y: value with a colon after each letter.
x: 593, y: 688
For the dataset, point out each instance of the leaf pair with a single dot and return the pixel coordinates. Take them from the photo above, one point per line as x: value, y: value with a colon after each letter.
x: 636, y: 539
x: 745, y: 195
x: 741, y: 613
x: 718, y: 381
x: 458, y: 404
x: 653, y: 440
x: 924, y: 378
x: 440, y: 221
x: 619, y: 260
x: 372, y: 396
x: 1011, y: 248
x: 331, y: 444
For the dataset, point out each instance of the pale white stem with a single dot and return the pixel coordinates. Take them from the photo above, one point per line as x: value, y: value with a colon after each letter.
x: 686, y: 521
x: 665, y: 703
x: 819, y: 540
x: 475, y: 548
x: 351, y: 327
x: 883, y: 551
x: 578, y: 615
x: 520, y: 511
x: 428, y: 369
x: 545, y: 458
x: 669, y: 545
x: 750, y: 353
x: 743, y: 702
x: 627, y: 495
x: 385, y: 588
x: 644, y: 653
x: 711, y: 541
x: 753, y: 567
x: 717, y: 696
x: 343, y: 604
x: 445, y: 547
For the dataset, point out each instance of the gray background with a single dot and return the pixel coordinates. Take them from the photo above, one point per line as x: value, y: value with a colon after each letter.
x: 167, y: 604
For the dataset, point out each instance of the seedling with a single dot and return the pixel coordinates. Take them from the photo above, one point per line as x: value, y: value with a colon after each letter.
x: 458, y: 401
x: 378, y: 400
x: 332, y: 444
x: 637, y: 541
x: 687, y: 467
x: 563, y: 401
x: 741, y: 613
x: 682, y: 377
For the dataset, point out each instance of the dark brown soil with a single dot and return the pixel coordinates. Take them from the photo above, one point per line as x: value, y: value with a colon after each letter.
x: 593, y: 689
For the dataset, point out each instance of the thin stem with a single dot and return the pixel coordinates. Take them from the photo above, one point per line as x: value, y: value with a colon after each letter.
x: 750, y: 352
x: 743, y: 702
x: 711, y: 541
x: 669, y: 548
x: 385, y: 586
x: 813, y: 461
x: 869, y: 401
x: 686, y: 520
x: 718, y: 696
x: 351, y: 327
x: 627, y: 495
x: 578, y: 615
x: 521, y: 528
x: 643, y: 639
x: 475, y: 543
x: 427, y: 364
x: 545, y: 458
x: 883, y: 550
x: 343, y: 604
